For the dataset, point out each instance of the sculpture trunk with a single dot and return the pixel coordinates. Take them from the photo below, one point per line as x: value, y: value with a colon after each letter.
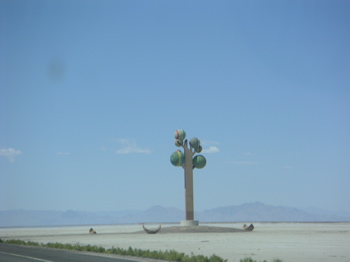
x: 189, y: 202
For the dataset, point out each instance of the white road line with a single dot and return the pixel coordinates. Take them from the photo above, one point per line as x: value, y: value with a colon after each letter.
x: 34, y: 258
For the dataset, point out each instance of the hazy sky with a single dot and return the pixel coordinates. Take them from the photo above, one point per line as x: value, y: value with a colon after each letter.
x: 91, y: 93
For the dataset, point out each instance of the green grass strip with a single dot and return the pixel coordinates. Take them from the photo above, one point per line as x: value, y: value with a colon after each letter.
x: 168, y: 255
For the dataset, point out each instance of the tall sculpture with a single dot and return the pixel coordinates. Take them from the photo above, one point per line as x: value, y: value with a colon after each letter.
x: 188, y: 162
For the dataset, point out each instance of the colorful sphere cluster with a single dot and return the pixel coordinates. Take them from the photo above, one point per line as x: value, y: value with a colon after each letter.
x: 178, y: 158
x: 180, y: 136
x: 195, y: 143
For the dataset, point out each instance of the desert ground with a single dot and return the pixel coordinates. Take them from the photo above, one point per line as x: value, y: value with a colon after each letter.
x: 289, y: 242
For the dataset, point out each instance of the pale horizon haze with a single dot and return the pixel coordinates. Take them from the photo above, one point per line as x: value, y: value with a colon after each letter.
x: 91, y: 93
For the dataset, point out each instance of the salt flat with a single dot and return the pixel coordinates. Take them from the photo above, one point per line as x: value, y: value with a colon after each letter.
x: 300, y: 242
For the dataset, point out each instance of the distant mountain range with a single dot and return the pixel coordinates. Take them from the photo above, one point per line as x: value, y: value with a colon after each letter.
x: 251, y: 212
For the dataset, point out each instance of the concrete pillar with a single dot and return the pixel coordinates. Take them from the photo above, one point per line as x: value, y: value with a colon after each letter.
x: 189, y: 193
x: 188, y: 174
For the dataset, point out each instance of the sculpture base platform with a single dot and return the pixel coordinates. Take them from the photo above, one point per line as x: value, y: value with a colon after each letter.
x: 189, y: 223
x: 195, y: 229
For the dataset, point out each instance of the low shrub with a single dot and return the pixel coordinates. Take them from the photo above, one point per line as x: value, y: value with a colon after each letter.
x: 248, y: 259
x: 168, y: 255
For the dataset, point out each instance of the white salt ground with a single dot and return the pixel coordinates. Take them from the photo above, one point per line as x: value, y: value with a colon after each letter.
x: 302, y: 242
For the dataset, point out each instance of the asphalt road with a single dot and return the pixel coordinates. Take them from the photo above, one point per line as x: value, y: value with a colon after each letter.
x: 18, y: 253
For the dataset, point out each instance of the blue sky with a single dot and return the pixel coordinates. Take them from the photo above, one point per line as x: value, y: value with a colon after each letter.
x: 91, y: 93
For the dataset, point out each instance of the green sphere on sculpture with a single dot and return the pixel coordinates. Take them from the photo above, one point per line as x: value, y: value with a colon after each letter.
x: 198, y: 149
x: 178, y: 142
x: 199, y: 161
x: 194, y: 142
x: 177, y: 158
x: 180, y: 134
